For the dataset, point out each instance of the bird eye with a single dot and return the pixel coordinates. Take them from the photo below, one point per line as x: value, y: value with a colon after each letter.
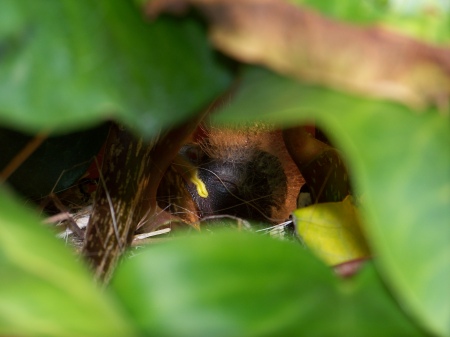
x: 192, y: 153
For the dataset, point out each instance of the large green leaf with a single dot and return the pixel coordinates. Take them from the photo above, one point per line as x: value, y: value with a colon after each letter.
x: 43, y: 290
x: 65, y: 64
x: 237, y: 284
x: 399, y: 161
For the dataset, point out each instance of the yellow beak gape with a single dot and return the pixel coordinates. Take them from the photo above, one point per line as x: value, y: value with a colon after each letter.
x: 201, y: 188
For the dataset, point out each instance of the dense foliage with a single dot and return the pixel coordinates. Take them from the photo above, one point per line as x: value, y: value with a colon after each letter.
x: 69, y: 65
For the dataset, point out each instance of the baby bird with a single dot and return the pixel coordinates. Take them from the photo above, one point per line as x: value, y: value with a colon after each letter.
x: 243, y: 172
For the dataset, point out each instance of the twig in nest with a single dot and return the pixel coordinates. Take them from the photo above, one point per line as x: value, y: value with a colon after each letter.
x: 70, y: 221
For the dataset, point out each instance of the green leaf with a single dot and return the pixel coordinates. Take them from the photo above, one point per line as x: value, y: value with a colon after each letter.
x: 68, y: 64
x: 428, y: 20
x: 332, y: 230
x: 359, y: 12
x: 241, y: 284
x: 399, y: 160
x: 44, y: 291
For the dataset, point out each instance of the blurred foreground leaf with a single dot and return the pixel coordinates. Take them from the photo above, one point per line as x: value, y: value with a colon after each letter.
x: 67, y: 64
x: 240, y: 284
x: 427, y: 20
x: 43, y: 290
x: 332, y: 230
x: 399, y: 159
x: 301, y: 43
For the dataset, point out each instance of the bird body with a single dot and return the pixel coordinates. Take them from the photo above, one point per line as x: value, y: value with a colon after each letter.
x: 239, y: 171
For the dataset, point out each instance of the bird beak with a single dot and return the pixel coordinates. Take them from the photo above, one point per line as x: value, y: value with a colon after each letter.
x: 189, y: 172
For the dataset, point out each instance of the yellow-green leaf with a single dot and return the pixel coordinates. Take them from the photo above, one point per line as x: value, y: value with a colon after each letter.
x: 332, y: 231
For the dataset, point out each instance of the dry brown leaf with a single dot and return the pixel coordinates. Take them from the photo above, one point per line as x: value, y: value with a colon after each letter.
x: 301, y: 43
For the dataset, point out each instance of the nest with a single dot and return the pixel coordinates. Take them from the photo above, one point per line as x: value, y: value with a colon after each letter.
x: 68, y: 214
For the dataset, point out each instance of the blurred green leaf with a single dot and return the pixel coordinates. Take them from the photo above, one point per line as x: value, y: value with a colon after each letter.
x: 43, y: 290
x: 67, y: 64
x: 399, y: 160
x: 428, y: 20
x: 360, y: 12
x: 240, y: 284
